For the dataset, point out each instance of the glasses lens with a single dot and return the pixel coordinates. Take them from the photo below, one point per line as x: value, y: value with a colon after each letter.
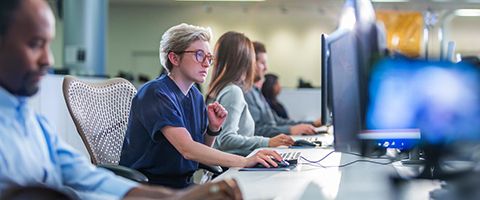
x: 200, y: 56
x: 210, y: 60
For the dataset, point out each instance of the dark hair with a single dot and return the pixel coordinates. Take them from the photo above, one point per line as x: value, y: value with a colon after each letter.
x: 259, y: 47
x: 7, y: 11
x: 234, y: 58
x: 267, y: 87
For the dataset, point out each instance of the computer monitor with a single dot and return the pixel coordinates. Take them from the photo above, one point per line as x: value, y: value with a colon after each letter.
x: 349, y: 52
x: 345, y: 91
x: 439, y: 98
x: 326, y: 106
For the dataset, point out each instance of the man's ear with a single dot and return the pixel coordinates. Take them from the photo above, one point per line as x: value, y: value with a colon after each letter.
x: 174, y: 58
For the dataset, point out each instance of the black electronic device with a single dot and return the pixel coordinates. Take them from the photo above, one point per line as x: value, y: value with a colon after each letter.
x: 347, y: 55
x: 281, y: 164
x: 303, y: 143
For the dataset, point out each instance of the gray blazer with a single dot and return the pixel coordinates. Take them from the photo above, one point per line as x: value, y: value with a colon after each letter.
x: 267, y: 122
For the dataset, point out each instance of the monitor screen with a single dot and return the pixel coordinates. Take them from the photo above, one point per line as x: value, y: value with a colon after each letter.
x: 441, y: 99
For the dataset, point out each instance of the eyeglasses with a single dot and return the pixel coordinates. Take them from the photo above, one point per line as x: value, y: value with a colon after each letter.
x: 201, y: 56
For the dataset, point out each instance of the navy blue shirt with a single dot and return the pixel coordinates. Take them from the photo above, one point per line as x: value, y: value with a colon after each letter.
x: 161, y: 103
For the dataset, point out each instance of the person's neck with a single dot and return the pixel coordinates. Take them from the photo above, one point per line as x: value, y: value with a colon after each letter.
x: 258, y: 84
x: 181, y: 82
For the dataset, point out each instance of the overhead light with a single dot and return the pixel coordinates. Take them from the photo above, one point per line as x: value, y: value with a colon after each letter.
x: 389, y: 1
x: 467, y: 12
x: 221, y: 0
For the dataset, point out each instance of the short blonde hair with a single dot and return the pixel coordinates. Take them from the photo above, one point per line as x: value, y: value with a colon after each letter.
x: 178, y: 38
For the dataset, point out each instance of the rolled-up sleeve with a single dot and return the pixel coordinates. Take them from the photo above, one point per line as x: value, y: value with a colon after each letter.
x: 83, y: 177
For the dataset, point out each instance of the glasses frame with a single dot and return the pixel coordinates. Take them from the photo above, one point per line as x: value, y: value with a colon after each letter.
x: 197, y: 56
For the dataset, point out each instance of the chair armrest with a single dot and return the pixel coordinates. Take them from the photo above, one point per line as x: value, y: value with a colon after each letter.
x: 126, y: 172
x: 216, y: 170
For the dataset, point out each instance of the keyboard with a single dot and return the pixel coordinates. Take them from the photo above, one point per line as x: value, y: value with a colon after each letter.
x: 321, y: 130
x: 291, y: 157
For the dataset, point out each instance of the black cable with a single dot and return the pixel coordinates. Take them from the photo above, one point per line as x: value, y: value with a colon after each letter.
x: 350, y: 163
x: 369, y: 161
x: 371, y: 157
x: 324, y: 157
x: 310, y: 161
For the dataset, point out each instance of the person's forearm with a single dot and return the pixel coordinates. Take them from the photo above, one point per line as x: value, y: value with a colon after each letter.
x: 209, y: 156
x: 149, y: 192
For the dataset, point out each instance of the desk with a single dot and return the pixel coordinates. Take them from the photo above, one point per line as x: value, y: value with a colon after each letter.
x: 357, y: 181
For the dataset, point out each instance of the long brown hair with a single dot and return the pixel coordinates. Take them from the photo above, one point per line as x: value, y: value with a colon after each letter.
x: 234, y: 58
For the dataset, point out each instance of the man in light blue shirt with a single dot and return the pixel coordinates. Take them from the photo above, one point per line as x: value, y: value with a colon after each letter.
x: 31, y: 153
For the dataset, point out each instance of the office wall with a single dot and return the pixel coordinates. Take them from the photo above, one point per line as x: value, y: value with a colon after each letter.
x: 292, y: 38
x: 291, y: 35
x: 464, y: 31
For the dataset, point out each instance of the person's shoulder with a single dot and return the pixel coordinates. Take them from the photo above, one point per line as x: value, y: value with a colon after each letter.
x: 250, y: 94
x: 159, y: 86
x: 231, y: 89
x: 232, y: 94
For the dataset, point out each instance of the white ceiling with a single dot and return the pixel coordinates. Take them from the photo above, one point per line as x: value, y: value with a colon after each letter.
x: 411, y: 3
x: 327, y: 7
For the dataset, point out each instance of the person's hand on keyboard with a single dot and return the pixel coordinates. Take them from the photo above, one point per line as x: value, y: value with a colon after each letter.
x: 264, y: 157
x: 280, y: 140
x: 317, y: 122
x: 305, y: 129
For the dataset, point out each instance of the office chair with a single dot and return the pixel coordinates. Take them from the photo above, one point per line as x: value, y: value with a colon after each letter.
x: 100, y: 112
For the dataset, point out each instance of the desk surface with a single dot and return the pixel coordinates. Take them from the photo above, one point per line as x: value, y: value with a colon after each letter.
x: 360, y: 180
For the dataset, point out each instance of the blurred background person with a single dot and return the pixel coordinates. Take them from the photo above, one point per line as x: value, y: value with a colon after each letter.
x: 268, y: 123
x: 271, y: 89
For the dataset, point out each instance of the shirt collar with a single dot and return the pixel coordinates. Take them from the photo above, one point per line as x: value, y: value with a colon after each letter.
x: 9, y: 100
x: 256, y: 88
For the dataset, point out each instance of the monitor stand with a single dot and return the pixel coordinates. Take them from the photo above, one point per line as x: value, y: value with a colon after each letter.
x: 414, y: 158
x: 433, y: 168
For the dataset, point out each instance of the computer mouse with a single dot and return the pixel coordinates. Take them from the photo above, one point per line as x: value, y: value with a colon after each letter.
x: 303, y: 143
x: 281, y: 164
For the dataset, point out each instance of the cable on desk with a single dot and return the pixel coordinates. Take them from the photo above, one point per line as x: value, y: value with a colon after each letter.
x: 324, y: 157
x: 370, y: 157
x: 310, y: 161
x: 349, y: 163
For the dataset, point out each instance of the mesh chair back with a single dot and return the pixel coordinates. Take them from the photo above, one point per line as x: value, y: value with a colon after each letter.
x: 100, y: 112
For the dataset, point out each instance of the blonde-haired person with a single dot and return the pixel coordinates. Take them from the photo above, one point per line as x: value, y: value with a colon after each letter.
x: 31, y: 152
x: 170, y: 129
x: 233, y: 74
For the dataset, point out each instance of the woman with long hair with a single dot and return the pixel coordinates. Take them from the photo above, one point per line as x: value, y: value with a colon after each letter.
x: 233, y: 73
